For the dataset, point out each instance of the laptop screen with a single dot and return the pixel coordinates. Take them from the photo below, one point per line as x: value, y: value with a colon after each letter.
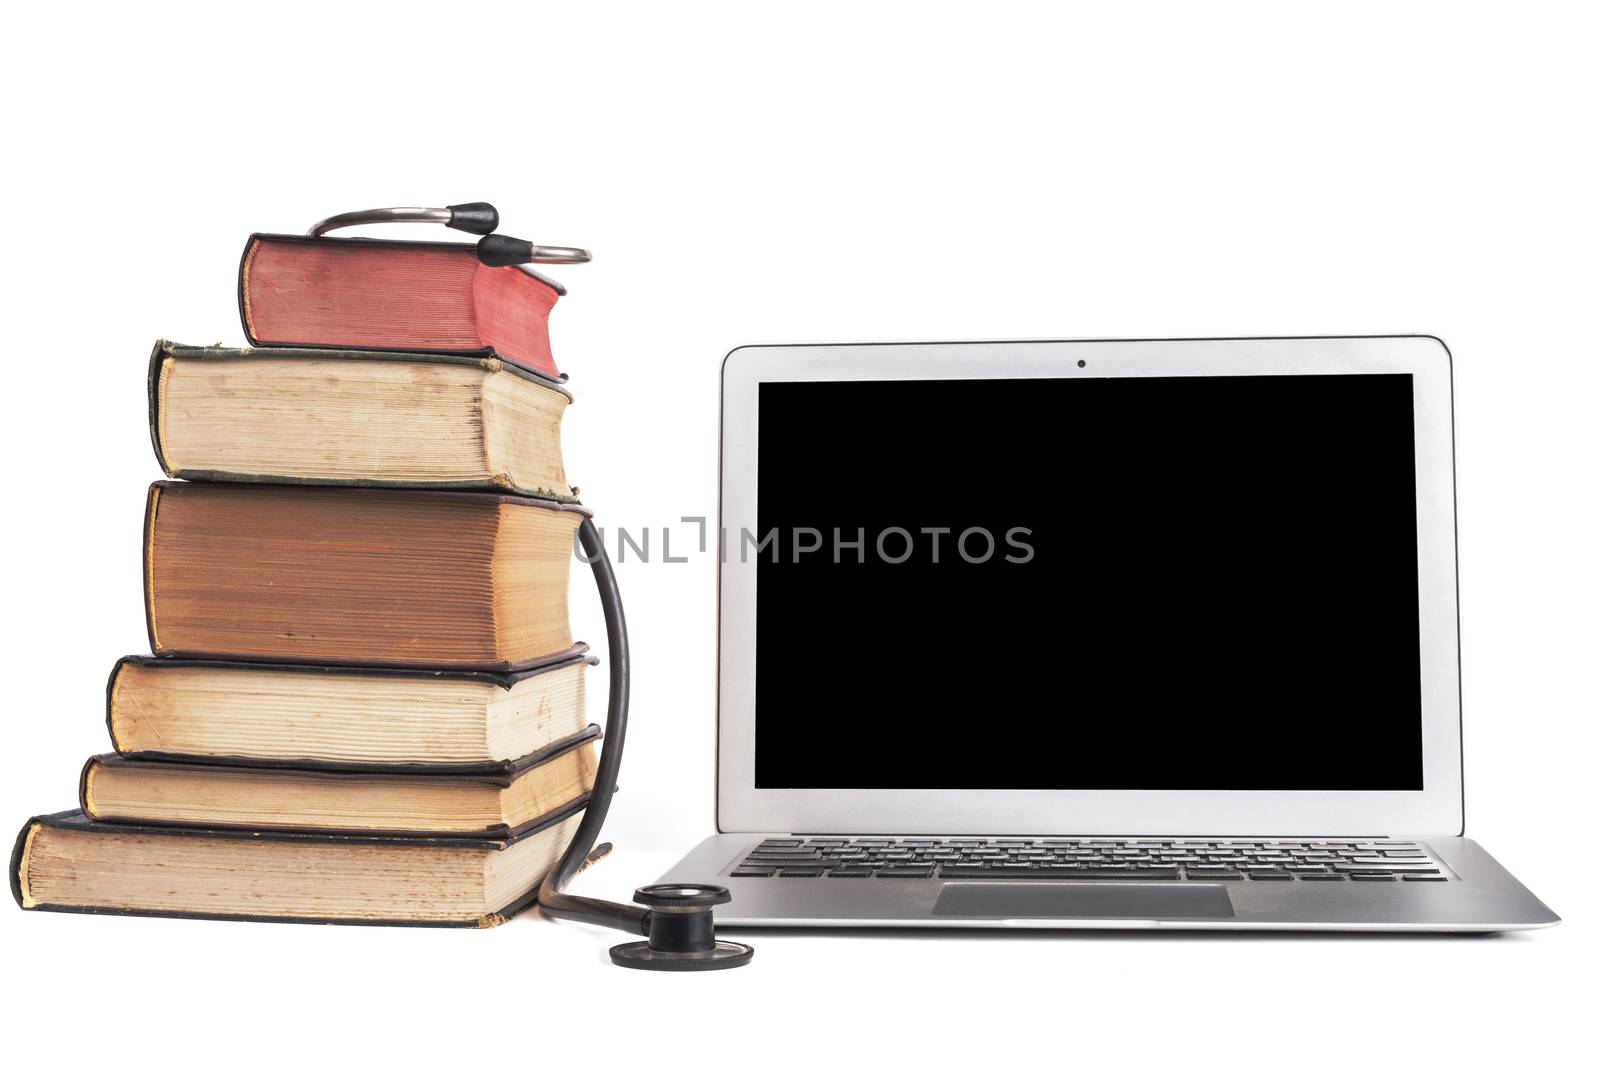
x: 1087, y: 583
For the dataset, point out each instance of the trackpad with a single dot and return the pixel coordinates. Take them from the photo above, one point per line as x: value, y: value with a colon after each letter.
x: 1070, y: 900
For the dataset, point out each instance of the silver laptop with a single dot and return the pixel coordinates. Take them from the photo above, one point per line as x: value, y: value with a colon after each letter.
x: 1123, y: 634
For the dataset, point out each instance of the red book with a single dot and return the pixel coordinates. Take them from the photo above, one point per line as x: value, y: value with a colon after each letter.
x: 393, y: 294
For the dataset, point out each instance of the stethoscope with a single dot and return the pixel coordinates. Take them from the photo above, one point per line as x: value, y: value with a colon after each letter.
x: 676, y: 919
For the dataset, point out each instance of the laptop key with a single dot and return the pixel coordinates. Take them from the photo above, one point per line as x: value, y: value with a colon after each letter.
x: 1032, y: 873
x: 784, y: 856
x: 1356, y: 868
x: 1420, y: 877
x: 895, y: 871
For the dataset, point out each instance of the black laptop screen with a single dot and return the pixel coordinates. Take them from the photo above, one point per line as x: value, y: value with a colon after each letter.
x: 1143, y: 583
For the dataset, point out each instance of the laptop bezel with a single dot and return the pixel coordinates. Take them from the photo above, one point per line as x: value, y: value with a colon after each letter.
x: 742, y: 807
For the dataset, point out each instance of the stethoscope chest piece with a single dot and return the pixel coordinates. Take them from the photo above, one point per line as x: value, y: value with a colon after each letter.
x: 682, y: 932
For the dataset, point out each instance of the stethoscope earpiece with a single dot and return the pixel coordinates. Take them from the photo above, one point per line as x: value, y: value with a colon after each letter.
x: 499, y: 250
x: 478, y: 218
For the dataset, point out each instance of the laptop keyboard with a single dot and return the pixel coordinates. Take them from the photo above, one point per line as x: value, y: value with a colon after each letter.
x: 1089, y: 859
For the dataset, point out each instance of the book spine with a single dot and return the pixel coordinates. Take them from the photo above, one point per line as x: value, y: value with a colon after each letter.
x: 245, y: 256
x: 158, y: 360
x: 111, y: 697
x: 19, y: 863
x: 151, y: 504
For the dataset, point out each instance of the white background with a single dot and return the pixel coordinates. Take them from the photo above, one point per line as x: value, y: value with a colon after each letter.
x: 810, y: 173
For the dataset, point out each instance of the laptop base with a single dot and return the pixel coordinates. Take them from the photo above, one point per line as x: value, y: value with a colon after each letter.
x: 1479, y: 896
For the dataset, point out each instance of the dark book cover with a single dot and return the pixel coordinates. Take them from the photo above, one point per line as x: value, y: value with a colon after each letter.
x: 484, y: 360
x: 77, y: 820
x: 503, y: 679
x: 213, y: 766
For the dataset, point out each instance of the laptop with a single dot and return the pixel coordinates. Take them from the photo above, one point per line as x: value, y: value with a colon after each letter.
x: 1120, y: 634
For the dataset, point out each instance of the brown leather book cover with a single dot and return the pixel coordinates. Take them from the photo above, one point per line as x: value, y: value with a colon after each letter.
x: 268, y: 596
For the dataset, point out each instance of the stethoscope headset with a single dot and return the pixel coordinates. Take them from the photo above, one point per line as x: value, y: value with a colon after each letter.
x: 676, y: 919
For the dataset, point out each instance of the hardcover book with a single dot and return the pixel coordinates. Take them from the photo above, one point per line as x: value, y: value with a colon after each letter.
x: 393, y: 294
x: 222, y: 712
x: 114, y: 788
x: 68, y: 862
x: 378, y: 419
x: 366, y: 703
x: 357, y: 576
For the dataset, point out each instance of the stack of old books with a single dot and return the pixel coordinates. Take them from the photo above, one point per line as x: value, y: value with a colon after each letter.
x: 364, y: 702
